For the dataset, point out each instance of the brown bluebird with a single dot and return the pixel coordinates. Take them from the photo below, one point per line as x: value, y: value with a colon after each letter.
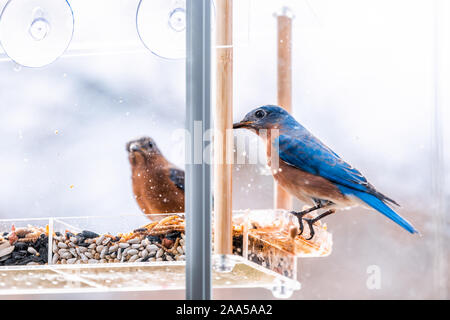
x: 158, y: 185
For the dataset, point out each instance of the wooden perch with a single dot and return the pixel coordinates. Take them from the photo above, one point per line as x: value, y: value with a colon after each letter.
x: 283, y: 200
x: 223, y: 138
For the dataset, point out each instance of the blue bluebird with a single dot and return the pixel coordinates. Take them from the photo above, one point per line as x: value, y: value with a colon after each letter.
x: 311, y: 171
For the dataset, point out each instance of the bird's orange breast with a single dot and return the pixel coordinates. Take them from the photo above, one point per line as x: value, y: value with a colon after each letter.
x: 153, y: 189
x: 299, y: 183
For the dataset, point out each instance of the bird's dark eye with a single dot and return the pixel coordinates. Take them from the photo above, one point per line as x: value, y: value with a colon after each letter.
x: 150, y: 145
x: 260, y: 114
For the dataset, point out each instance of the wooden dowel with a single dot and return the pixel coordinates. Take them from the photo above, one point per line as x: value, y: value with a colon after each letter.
x: 283, y: 200
x: 223, y: 138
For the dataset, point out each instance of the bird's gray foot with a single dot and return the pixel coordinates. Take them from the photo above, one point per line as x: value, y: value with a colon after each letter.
x: 311, y: 222
x: 301, y: 214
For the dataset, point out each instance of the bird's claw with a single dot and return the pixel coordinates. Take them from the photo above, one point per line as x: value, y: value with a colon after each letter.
x: 301, y: 227
x: 310, y: 223
x: 299, y: 216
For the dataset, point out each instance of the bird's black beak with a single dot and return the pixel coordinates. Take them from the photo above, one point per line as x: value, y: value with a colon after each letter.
x: 242, y: 124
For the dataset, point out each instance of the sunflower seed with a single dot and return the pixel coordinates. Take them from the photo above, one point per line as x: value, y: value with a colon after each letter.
x: 100, y: 240
x: 66, y: 255
x: 124, y: 245
x: 103, y: 253
x: 169, y: 258
x: 151, y: 248
x: 62, y: 245
x: 73, y: 251
x: 4, y: 245
x: 132, y: 252
x: 133, y: 258
x: 89, y: 234
x: 82, y: 249
x: 113, y: 248
x: 143, y: 253
x: 55, y: 258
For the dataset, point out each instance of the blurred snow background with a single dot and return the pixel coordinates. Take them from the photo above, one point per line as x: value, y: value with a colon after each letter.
x: 364, y: 83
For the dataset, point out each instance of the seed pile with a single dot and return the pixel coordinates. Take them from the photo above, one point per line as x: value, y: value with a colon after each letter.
x: 237, y: 243
x: 159, y: 241
x: 24, y: 246
x: 90, y: 247
x: 270, y: 257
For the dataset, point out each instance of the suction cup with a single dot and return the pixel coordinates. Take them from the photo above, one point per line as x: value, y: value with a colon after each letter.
x: 34, y: 33
x: 161, y: 25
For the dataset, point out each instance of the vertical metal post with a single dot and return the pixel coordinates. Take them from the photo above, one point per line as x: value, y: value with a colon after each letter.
x: 198, y: 169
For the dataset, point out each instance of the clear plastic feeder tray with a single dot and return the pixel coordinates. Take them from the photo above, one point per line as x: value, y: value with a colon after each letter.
x: 264, y: 255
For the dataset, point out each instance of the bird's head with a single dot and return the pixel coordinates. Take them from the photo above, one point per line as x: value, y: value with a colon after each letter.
x: 266, y: 117
x: 142, y: 150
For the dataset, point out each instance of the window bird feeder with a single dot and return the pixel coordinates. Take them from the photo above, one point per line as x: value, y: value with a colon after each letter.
x: 255, y: 248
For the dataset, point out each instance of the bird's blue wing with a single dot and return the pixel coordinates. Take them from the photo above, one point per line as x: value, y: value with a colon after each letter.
x: 309, y: 154
x: 177, y: 177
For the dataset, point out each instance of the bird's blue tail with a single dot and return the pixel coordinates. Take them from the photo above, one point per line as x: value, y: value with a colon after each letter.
x: 380, y: 206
